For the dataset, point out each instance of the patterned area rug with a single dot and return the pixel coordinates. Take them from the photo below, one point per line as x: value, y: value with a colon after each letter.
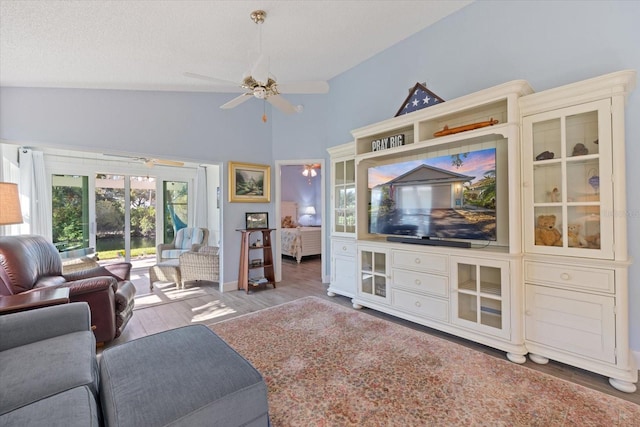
x: 328, y: 365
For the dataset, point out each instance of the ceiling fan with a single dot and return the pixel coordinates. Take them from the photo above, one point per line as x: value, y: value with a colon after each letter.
x: 150, y: 162
x: 309, y: 171
x: 259, y: 83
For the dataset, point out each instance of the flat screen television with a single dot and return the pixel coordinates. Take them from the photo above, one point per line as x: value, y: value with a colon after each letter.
x: 447, y: 197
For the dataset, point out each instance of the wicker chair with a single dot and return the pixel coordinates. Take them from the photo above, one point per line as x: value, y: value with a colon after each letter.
x: 203, y: 264
x: 186, y: 239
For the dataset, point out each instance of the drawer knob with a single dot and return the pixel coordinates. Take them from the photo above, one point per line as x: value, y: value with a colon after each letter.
x: 417, y: 303
x: 344, y: 248
x: 418, y: 282
x: 528, y: 312
x: 565, y: 276
x: 417, y: 260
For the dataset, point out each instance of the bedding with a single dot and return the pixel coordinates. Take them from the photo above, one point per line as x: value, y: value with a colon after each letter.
x: 297, y: 241
x: 301, y: 241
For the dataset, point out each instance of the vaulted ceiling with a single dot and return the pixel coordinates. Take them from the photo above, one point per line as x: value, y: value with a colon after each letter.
x: 149, y: 45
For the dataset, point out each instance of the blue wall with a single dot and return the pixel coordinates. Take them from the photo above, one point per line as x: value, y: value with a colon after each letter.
x: 548, y: 44
x: 183, y: 126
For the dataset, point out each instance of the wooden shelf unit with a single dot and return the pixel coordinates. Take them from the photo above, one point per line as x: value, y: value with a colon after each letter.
x: 249, y: 271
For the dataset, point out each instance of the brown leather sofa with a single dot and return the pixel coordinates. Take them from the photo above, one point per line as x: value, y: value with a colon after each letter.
x: 30, y: 263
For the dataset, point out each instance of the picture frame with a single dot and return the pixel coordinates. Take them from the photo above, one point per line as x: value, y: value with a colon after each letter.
x: 256, y: 220
x: 249, y: 183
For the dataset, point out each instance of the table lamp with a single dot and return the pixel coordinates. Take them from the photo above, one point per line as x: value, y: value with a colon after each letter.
x: 10, y: 212
x: 309, y: 212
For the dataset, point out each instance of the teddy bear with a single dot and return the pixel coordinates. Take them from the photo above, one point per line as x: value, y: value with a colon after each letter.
x: 546, y: 232
x: 575, y: 239
x: 593, y: 241
x: 287, y: 222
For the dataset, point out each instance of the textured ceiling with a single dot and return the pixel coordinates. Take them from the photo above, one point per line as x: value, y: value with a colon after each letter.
x: 148, y: 45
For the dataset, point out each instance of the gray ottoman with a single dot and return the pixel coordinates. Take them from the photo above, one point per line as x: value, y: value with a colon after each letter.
x: 183, y: 377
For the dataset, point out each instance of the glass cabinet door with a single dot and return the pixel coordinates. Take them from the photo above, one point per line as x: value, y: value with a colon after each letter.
x: 373, y: 274
x: 569, y: 190
x: 344, y: 197
x: 480, y: 300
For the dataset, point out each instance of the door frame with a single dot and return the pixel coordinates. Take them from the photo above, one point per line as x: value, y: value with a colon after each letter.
x: 278, y: 199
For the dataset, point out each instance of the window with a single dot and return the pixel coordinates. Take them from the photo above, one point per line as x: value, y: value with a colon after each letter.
x: 70, y: 208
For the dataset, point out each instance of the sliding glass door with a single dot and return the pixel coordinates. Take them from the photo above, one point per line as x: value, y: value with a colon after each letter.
x: 125, y: 209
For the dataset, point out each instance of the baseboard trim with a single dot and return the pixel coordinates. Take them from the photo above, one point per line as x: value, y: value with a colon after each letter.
x: 229, y: 286
x: 636, y: 356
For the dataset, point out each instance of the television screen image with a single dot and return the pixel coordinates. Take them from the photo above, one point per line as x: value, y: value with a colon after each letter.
x: 448, y: 197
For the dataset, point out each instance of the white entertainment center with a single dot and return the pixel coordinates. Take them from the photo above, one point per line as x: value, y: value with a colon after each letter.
x: 558, y: 291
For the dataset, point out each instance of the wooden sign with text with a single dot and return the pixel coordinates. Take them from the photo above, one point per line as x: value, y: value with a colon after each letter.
x: 387, y: 142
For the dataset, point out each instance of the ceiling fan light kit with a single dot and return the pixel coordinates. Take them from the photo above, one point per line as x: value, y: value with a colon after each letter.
x: 258, y: 16
x: 259, y: 83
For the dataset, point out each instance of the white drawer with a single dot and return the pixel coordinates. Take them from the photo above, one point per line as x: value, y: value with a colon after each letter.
x: 343, y: 247
x: 420, y: 261
x: 568, y: 276
x: 421, y: 305
x: 421, y: 282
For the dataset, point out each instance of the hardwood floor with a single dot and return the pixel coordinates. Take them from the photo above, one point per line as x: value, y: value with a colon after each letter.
x: 167, y: 308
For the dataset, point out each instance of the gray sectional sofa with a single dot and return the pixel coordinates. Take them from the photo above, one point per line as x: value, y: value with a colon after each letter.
x: 50, y: 375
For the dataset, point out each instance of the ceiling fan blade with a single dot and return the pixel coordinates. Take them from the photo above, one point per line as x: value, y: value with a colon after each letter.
x: 237, y: 101
x: 213, y: 80
x: 260, y: 70
x: 304, y: 87
x: 282, y: 104
x: 166, y: 162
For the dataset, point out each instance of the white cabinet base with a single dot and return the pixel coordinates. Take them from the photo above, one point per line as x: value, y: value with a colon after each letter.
x: 516, y: 358
x: 624, y: 386
x: 540, y: 360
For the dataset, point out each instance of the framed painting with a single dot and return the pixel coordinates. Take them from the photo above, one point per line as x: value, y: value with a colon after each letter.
x: 249, y: 183
x: 256, y: 220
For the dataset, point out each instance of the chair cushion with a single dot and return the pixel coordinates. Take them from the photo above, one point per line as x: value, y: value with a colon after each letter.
x: 186, y: 237
x: 186, y: 376
x: 53, y: 366
x: 173, y: 253
x: 75, y: 407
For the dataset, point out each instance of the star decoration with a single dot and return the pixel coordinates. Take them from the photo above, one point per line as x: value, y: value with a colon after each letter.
x: 419, y: 97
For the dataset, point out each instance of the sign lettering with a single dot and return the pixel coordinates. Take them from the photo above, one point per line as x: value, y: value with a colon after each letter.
x: 387, y: 142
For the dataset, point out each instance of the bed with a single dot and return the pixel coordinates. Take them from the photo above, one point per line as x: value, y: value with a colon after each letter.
x: 298, y: 241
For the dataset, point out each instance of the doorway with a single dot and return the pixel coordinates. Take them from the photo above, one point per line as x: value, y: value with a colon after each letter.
x: 306, y: 190
x: 125, y: 217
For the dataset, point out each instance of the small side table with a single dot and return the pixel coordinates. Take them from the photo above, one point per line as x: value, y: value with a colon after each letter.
x: 34, y: 299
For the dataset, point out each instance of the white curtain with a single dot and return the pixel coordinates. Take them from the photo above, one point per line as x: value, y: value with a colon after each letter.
x: 201, y: 217
x: 35, y: 194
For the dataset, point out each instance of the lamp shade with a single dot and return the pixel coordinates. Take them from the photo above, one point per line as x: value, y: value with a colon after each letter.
x: 10, y: 212
x: 310, y: 210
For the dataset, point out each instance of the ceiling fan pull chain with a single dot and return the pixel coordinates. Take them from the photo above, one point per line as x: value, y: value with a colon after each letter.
x: 264, y: 111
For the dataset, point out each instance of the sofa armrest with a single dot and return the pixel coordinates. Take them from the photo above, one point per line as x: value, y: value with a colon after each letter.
x: 120, y: 271
x: 26, y: 327
x: 95, y: 284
